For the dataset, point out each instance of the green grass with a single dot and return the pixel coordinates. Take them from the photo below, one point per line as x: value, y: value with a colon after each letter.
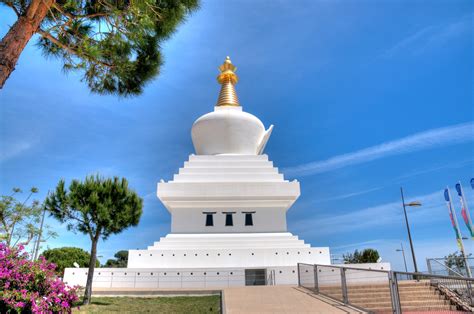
x: 201, y: 304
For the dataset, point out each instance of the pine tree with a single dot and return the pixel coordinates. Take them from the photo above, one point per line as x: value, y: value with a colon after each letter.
x: 121, y: 260
x: 97, y: 207
x: 114, y: 43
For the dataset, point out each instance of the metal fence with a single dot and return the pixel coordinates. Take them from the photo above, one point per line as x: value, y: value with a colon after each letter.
x: 381, y: 291
x: 439, y: 266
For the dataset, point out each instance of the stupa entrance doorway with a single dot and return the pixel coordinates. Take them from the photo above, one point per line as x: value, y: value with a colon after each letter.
x: 255, y: 277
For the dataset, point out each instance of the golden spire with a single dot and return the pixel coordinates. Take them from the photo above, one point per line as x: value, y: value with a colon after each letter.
x: 227, y: 78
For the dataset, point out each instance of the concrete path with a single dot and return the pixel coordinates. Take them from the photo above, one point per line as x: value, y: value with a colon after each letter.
x: 279, y: 299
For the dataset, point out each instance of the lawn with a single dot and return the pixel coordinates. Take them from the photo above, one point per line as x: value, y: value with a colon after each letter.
x: 200, y: 304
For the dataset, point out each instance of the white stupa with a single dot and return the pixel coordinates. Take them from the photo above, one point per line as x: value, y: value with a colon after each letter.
x: 228, y: 202
x: 228, y: 207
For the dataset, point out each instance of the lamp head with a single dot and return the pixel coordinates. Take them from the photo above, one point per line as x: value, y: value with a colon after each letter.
x: 414, y: 204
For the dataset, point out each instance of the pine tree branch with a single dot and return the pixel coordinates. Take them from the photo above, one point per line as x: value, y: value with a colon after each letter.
x: 71, y: 50
x: 58, y: 7
x: 30, y: 13
x: 73, y: 17
x: 55, y: 41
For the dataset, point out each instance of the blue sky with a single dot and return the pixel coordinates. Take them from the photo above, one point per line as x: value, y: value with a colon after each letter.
x: 365, y: 96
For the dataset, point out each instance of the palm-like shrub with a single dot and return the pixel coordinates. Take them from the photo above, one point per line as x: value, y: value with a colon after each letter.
x: 31, y: 286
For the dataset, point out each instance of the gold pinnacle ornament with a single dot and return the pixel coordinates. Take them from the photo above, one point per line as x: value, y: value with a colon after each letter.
x: 227, y: 78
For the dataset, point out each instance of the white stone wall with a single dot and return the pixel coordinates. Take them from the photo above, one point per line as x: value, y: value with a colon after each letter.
x: 186, y: 220
x: 159, y: 278
x: 226, y: 257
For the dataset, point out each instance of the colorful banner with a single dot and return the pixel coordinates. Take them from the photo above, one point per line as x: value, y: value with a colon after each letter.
x: 466, y: 216
x: 454, y: 221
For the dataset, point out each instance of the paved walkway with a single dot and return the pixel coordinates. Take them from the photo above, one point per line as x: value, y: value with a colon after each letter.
x: 279, y: 299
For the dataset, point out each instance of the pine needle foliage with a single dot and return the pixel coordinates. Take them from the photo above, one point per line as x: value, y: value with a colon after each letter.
x: 115, y: 44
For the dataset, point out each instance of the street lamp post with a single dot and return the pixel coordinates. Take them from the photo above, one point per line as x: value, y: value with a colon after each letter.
x: 408, y: 226
x: 403, y: 253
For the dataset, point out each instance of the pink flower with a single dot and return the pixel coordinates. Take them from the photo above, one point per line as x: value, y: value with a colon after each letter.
x: 31, y: 286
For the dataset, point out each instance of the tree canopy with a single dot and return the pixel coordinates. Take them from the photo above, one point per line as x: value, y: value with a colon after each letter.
x: 98, y: 207
x: 116, y: 45
x: 366, y: 256
x: 66, y: 257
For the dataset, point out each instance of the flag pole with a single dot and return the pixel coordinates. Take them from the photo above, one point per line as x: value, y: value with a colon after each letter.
x: 458, y: 232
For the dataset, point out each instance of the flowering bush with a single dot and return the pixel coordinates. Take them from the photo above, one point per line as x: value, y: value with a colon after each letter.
x: 31, y: 287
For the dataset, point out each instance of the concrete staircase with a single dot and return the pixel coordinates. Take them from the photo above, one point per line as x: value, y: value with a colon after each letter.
x: 415, y: 296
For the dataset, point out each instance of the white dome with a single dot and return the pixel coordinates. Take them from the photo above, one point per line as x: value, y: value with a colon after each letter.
x: 229, y: 130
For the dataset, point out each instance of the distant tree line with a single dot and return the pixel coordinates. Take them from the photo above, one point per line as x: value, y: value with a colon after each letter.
x: 366, y: 256
x: 120, y: 261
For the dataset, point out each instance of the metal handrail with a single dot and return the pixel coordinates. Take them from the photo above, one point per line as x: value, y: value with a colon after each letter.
x: 346, y: 267
x: 448, y: 268
x: 435, y: 276
x: 393, y: 284
x: 395, y: 271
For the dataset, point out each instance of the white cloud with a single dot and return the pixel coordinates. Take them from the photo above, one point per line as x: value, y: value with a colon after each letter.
x: 433, y: 209
x: 374, y: 216
x: 358, y: 245
x: 429, y: 37
x: 419, y: 172
x: 409, y: 41
x: 14, y: 149
x: 456, y: 134
x: 347, y: 195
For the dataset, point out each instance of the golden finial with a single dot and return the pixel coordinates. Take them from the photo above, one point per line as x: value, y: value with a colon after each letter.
x: 227, y: 78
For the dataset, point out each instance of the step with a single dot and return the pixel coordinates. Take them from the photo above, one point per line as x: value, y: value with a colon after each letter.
x: 427, y: 293
x: 387, y: 297
x: 414, y: 308
x: 227, y: 157
x: 379, y: 285
x: 228, y: 170
x: 388, y: 310
x: 228, y: 164
x: 385, y: 284
x: 426, y: 308
x: 229, y: 177
x: 419, y: 303
x: 379, y: 289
